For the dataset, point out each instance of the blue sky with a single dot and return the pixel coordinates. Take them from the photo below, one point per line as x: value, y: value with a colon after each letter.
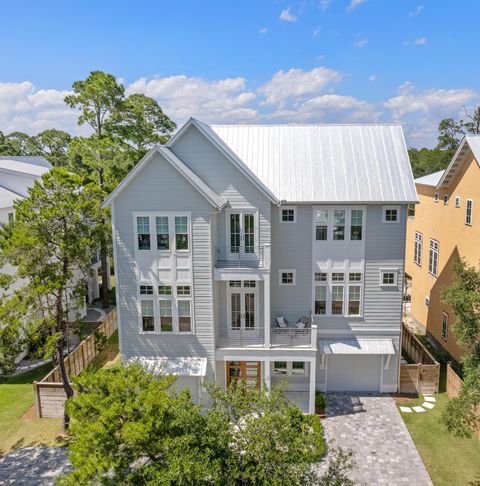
x: 412, y: 62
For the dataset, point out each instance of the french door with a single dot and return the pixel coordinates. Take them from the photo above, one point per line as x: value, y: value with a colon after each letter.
x: 242, y: 300
x: 245, y: 373
x: 241, y: 234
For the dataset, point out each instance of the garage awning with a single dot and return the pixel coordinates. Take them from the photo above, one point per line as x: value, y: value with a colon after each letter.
x: 179, y: 366
x: 356, y: 346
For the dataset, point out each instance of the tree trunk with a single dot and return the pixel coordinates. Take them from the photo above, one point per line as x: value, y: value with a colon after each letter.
x: 105, y: 271
x: 65, y: 381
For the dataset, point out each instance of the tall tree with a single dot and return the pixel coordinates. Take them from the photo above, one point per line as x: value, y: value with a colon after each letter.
x: 450, y: 134
x: 97, y: 97
x: 53, y: 145
x: 21, y: 144
x: 473, y: 125
x: 49, y: 244
x: 140, y: 122
x: 461, y: 414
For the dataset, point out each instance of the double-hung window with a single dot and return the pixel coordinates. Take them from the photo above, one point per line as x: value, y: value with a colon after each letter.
x: 356, y: 224
x: 166, y: 315
x: 337, y: 299
x: 339, y: 224
x: 320, y: 299
x: 148, y: 321
x: 433, y: 258
x: 445, y: 326
x: 354, y: 299
x: 181, y: 232
x: 143, y: 232
x: 417, y: 251
x: 469, y: 211
x: 163, y: 236
x: 321, y: 225
x: 184, y: 316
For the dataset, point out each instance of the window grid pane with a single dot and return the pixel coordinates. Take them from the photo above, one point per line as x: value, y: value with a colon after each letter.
x: 339, y: 224
x: 163, y: 238
x: 355, y: 277
x: 148, y: 324
x: 146, y: 289
x: 337, y: 300
x: 166, y: 321
x: 354, y: 292
x: 184, y: 318
x: 321, y: 230
x: 165, y: 290
x: 338, y: 277
x: 320, y: 277
x: 287, y: 278
x: 288, y: 215
x: 320, y: 299
x: 183, y: 289
x: 181, y: 232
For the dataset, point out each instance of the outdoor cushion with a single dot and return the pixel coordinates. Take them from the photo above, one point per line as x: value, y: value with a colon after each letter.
x: 303, y: 322
x: 282, y: 322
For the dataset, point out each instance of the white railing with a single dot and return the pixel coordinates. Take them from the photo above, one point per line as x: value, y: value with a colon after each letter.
x: 226, y: 258
x: 291, y: 337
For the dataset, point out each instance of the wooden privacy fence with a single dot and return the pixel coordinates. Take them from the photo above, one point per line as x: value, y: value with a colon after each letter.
x: 454, y: 385
x: 424, y: 375
x: 49, y: 394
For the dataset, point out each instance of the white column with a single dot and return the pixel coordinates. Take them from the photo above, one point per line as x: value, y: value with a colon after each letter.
x: 266, y: 309
x: 311, y: 401
x: 267, y: 375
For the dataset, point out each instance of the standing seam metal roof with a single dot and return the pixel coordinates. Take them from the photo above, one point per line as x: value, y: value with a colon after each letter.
x: 315, y: 163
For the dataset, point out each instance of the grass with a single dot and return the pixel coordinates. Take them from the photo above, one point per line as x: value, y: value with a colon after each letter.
x: 19, y: 426
x: 110, y: 356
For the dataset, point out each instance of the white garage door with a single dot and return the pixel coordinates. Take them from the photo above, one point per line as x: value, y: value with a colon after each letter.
x: 354, y: 373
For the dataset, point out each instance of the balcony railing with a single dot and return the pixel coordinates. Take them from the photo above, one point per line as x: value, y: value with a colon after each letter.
x: 241, y: 338
x: 225, y: 257
x: 290, y: 337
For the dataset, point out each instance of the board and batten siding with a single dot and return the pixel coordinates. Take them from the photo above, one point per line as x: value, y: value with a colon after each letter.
x: 160, y: 187
x: 218, y: 172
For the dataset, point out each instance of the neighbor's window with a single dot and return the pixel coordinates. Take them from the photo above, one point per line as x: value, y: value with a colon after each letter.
x: 445, y: 199
x: 468, y: 214
x: 287, y: 215
x: 427, y: 301
x: 435, y: 197
x: 321, y: 228
x: 163, y: 238
x: 339, y: 224
x: 146, y: 289
x: 337, y: 299
x: 411, y: 210
x: 148, y: 324
x: 445, y: 326
x: 433, y: 258
x: 356, y: 226
x: 457, y: 202
x: 181, y: 232
x: 354, y: 293
x: 287, y: 277
x: 184, y: 318
x: 143, y: 232
x: 388, y: 277
x: 417, y: 250
x: 321, y: 299
x: 166, y: 320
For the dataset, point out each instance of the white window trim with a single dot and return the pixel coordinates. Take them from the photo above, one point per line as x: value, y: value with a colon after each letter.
x: 435, y: 197
x: 294, y: 208
x: 384, y: 209
x: 348, y: 225
x: 287, y: 270
x: 446, y: 198
x: 290, y: 368
x: 445, y: 314
x: 471, y: 212
x: 360, y: 309
x: 395, y: 277
x: 457, y: 201
x: 437, y: 251
x: 140, y: 316
x: 418, y: 242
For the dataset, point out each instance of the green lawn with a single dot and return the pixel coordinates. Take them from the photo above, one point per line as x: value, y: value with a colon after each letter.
x: 449, y: 460
x: 19, y: 426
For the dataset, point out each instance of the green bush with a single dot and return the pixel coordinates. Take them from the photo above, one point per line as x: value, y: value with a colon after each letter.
x: 320, y: 401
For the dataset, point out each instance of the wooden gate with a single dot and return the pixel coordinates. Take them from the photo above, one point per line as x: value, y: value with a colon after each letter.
x: 419, y: 378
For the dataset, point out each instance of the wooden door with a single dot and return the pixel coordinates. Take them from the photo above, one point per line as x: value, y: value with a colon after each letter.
x: 247, y: 374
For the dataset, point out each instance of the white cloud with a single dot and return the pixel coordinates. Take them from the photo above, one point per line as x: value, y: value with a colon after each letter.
x: 316, y: 31
x: 372, y: 77
x: 421, y: 41
x: 263, y: 30
x: 361, y: 43
x: 354, y: 4
x: 296, y: 83
x: 324, y: 4
x: 416, y: 12
x: 287, y: 15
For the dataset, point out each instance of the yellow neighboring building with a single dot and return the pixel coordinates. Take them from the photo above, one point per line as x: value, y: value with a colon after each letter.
x: 446, y: 224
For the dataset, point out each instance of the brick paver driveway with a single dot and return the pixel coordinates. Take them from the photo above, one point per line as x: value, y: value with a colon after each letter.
x: 384, y: 451
x: 34, y: 466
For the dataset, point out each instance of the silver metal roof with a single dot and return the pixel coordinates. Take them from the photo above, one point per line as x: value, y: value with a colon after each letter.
x: 356, y: 346
x: 29, y: 159
x: 325, y: 163
x: 430, y: 179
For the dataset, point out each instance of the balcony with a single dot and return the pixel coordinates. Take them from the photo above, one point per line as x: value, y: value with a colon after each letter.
x: 292, y: 337
x: 227, y: 257
x: 241, y: 338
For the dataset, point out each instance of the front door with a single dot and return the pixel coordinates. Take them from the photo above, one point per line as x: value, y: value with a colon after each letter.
x: 245, y: 373
x: 242, y: 300
x: 241, y: 236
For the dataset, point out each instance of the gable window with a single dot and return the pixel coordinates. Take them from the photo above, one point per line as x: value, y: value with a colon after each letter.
x: 183, y: 289
x: 287, y: 277
x: 143, y: 232
x: 435, y: 197
x: 445, y: 199
x: 181, y: 232
x: 457, y: 202
x: 445, y: 326
x: 354, y: 292
x: 148, y: 324
x: 184, y: 318
x: 391, y: 214
x: 433, y: 258
x: 146, y: 289
x: 468, y: 214
x: 356, y: 225
x: 417, y: 250
x: 339, y: 224
x: 321, y: 229
x: 321, y: 299
x: 288, y: 214
x: 337, y: 300
x: 388, y: 278
x: 166, y: 316
x: 163, y: 237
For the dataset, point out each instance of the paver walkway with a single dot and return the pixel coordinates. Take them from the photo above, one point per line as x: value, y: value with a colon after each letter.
x: 34, y: 466
x: 384, y: 451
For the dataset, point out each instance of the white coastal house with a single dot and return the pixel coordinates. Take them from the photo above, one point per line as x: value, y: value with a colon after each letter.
x: 266, y: 252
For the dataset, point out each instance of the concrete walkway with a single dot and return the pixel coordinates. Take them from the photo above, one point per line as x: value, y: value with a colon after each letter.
x: 34, y: 466
x: 371, y: 426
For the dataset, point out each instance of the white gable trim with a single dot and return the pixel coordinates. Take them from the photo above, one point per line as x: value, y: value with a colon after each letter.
x: 211, y: 196
x: 215, y: 140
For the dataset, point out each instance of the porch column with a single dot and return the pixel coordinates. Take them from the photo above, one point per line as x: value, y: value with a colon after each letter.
x: 268, y: 379
x: 311, y: 401
x: 266, y: 309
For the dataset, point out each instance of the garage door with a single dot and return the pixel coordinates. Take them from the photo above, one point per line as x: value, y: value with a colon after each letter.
x: 354, y: 373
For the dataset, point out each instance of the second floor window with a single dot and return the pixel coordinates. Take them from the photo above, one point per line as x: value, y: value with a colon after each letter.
x: 356, y: 225
x: 321, y: 228
x: 417, y: 250
x: 163, y: 236
x: 148, y: 321
x: 339, y: 224
x: 181, y: 233
x: 337, y: 300
x: 354, y: 292
x: 143, y: 232
x: 469, y: 211
x: 433, y: 258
